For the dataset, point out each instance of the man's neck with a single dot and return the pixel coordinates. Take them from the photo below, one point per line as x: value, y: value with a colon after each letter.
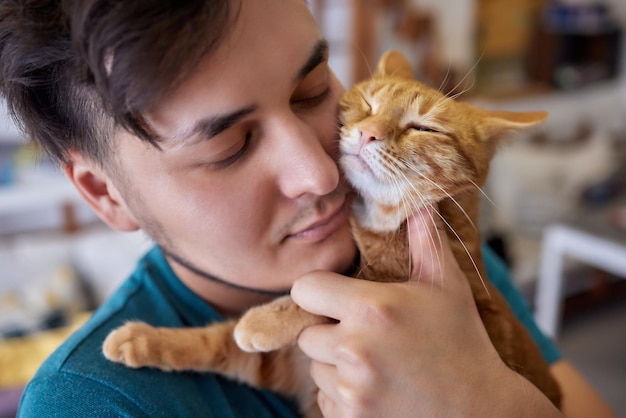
x: 230, y: 301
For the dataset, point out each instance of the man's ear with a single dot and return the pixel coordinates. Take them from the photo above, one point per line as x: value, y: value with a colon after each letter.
x: 96, y: 187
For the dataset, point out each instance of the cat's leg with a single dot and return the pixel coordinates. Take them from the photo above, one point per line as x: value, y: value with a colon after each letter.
x: 212, y: 349
x: 274, y: 325
x: 137, y: 344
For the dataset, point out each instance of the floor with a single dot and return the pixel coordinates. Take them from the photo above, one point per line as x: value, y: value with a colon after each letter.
x: 594, y: 340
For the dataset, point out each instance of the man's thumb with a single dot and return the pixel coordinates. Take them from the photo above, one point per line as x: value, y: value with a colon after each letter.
x: 430, y: 250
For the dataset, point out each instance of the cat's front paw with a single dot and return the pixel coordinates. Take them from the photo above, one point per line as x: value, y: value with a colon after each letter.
x: 256, y: 332
x: 132, y: 345
x: 273, y: 326
x: 268, y: 327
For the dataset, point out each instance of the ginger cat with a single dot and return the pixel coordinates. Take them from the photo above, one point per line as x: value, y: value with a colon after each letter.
x: 420, y: 148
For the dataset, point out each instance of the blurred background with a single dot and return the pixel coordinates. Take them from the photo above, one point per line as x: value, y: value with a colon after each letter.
x: 556, y: 206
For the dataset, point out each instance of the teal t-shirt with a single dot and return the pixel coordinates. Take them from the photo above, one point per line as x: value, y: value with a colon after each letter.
x: 77, y: 381
x: 499, y: 275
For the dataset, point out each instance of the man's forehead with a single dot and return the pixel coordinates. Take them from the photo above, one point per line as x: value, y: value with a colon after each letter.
x: 252, y: 54
x: 212, y: 125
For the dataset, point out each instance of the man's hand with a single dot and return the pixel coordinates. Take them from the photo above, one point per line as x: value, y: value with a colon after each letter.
x: 408, y: 349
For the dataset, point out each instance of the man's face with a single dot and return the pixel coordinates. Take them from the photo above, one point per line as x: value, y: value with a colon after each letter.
x: 246, y: 186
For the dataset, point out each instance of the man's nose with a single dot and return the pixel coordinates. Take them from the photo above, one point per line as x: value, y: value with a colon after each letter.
x: 307, y: 166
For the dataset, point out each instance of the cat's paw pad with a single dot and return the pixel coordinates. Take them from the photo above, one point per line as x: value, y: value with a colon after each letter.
x: 256, y: 334
x: 131, y: 345
x: 252, y: 341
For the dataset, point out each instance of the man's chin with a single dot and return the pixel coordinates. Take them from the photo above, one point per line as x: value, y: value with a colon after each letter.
x: 339, y: 257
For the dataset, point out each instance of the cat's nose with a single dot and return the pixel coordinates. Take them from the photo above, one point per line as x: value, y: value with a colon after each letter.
x: 370, y: 134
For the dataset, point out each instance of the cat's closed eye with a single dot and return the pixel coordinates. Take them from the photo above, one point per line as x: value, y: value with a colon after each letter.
x: 421, y: 128
x: 367, y: 107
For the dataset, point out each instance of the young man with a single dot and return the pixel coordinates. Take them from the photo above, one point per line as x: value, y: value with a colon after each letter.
x: 211, y: 125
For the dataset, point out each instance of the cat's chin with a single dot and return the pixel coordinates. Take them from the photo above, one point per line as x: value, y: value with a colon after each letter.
x: 377, y: 217
x: 375, y: 191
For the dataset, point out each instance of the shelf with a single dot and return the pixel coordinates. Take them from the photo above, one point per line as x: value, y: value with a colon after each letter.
x: 25, y: 196
x: 43, y: 201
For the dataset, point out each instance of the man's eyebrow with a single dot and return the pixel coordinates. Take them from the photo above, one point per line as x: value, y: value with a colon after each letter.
x: 318, y: 55
x: 211, y: 127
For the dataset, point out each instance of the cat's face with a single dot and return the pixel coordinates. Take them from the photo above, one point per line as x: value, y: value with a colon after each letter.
x: 400, y: 139
x: 405, y: 144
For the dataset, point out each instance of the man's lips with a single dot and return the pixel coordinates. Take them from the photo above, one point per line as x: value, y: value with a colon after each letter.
x: 325, y: 227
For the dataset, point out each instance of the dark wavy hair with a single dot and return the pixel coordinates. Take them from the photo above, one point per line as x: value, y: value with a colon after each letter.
x: 72, y: 71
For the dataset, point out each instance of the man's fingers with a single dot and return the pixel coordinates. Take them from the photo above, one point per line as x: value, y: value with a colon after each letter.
x: 326, y: 377
x: 319, y: 291
x: 318, y: 342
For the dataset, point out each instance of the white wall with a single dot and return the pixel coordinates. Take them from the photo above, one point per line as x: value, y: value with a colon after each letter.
x: 8, y: 130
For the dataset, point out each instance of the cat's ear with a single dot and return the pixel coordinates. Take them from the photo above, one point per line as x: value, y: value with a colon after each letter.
x: 501, y: 122
x: 393, y: 63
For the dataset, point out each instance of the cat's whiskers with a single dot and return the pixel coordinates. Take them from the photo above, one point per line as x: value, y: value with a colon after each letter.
x: 483, y: 193
x: 465, y: 89
x: 445, y: 79
x: 365, y: 266
x: 469, y: 255
x: 393, y: 170
x: 432, y: 242
x: 448, y: 195
x: 416, y: 191
x: 409, y: 205
x: 468, y: 87
x: 404, y: 207
x: 432, y: 245
x: 469, y: 73
x: 364, y: 57
x: 386, y: 161
x: 409, y: 209
x: 450, y: 95
x: 439, y: 105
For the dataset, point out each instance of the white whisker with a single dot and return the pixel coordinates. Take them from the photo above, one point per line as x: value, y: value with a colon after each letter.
x: 469, y: 255
x: 365, y: 59
x: 411, y: 205
x: 445, y: 78
x: 396, y: 173
x: 432, y: 239
x: 469, y: 72
x: 448, y: 195
x: 483, y: 193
